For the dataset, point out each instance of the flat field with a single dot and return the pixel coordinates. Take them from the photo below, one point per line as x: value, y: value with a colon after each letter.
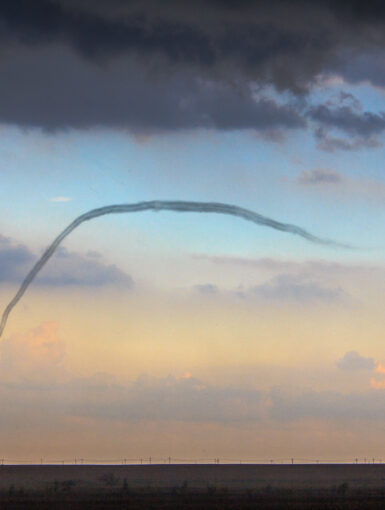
x: 196, y: 476
x: 343, y: 486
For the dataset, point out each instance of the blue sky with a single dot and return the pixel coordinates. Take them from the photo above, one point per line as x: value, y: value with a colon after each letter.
x: 97, y: 168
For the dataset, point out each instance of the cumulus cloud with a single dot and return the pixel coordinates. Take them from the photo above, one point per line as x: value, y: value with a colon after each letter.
x: 65, y: 268
x: 353, y: 361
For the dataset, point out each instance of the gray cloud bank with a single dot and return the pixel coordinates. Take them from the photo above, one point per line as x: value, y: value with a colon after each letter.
x: 34, y: 383
x: 186, y: 400
x: 124, y: 95
x: 327, y: 405
x: 286, y: 43
x: 67, y: 268
x: 150, y: 66
x: 352, y: 361
x: 183, y: 399
x: 345, y: 126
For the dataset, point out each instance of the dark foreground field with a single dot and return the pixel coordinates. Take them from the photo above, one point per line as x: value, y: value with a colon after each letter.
x: 192, y: 499
x: 193, y: 487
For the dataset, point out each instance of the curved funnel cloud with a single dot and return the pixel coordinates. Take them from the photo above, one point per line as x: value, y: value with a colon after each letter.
x: 158, y: 205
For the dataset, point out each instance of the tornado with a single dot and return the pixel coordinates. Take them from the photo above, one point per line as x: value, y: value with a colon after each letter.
x: 159, y: 205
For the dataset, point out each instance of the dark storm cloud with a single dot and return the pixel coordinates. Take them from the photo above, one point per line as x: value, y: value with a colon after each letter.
x: 96, y: 35
x: 150, y: 65
x: 332, y: 143
x: 64, y: 91
x: 344, y: 118
x: 342, y: 124
x: 367, y: 67
x: 252, y: 31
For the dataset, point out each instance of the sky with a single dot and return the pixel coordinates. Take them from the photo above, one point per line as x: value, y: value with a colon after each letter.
x: 189, y: 335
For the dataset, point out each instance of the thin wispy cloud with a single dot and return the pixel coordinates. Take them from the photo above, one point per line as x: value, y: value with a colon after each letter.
x: 60, y: 199
x: 319, y: 176
x: 330, y: 181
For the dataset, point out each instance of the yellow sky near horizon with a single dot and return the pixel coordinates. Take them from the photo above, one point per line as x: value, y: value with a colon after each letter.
x: 222, y: 354
x: 129, y: 333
